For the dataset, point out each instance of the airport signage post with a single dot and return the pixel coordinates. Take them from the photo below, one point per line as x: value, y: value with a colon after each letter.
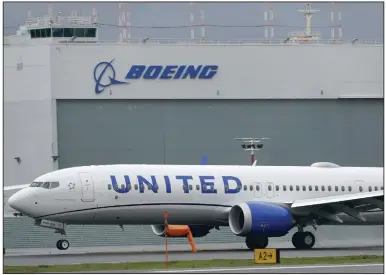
x: 166, y: 238
x: 267, y: 256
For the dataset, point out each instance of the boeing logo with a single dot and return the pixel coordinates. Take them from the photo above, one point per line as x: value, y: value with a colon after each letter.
x: 151, y: 72
x: 99, y: 71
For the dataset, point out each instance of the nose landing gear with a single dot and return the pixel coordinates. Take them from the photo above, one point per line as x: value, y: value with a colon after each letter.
x: 62, y: 244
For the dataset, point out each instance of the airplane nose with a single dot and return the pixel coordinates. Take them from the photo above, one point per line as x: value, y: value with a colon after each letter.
x: 14, y: 201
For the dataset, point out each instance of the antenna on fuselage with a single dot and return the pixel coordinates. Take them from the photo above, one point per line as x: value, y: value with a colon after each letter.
x: 252, y: 145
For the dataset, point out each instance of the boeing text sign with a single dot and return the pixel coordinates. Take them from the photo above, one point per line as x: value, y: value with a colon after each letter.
x: 104, y: 73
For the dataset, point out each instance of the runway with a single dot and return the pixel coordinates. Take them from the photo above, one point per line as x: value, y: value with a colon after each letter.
x: 117, y: 257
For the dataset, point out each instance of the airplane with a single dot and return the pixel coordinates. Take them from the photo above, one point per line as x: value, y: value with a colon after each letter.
x: 255, y: 202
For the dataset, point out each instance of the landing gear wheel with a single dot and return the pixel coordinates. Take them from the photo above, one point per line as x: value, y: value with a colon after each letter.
x: 59, y: 244
x: 253, y: 242
x: 303, y: 240
x: 62, y: 244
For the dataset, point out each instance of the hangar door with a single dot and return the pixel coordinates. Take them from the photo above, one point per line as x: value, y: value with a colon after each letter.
x: 347, y: 132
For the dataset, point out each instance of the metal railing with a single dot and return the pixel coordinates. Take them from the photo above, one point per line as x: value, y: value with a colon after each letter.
x: 190, y: 42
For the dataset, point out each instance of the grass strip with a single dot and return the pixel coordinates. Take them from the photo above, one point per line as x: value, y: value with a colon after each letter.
x: 189, y: 264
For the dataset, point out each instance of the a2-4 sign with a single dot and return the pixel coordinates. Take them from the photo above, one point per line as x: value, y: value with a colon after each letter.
x: 267, y: 256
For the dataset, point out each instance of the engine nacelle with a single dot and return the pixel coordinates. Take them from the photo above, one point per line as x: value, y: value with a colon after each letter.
x: 178, y: 231
x: 260, y: 218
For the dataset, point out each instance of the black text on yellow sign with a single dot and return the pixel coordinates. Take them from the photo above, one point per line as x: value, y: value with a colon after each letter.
x: 267, y: 256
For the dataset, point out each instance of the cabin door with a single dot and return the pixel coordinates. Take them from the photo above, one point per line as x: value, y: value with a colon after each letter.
x: 87, y: 187
x: 270, y: 191
x: 258, y: 189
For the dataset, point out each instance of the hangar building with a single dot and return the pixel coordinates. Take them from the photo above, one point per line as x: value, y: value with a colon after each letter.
x: 71, y: 99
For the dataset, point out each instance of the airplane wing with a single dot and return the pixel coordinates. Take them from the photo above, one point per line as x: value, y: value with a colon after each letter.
x: 327, y: 208
x: 15, y: 187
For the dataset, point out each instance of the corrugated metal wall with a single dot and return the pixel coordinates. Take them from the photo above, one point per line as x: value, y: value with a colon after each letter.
x: 347, y: 132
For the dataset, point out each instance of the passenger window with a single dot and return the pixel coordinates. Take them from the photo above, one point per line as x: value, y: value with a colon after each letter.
x: 148, y: 187
x: 342, y: 188
x: 54, y: 184
x: 349, y: 188
x: 291, y: 188
x: 304, y: 188
x: 109, y: 186
x: 123, y: 186
x: 46, y: 185
x: 190, y: 187
x: 370, y: 189
x: 245, y: 188
x: 323, y: 188
x: 336, y: 188
x: 203, y: 188
x: 316, y: 188
x: 284, y: 188
x: 310, y: 187
x: 297, y: 188
x: 257, y: 187
x: 136, y: 187
x: 239, y: 187
x: 360, y: 188
x: 277, y: 187
x: 329, y: 188
x: 381, y: 187
x: 251, y: 187
x: 198, y: 187
x: 375, y: 188
x: 269, y: 188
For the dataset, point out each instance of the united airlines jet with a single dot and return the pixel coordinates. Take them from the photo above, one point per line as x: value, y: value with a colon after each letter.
x: 256, y: 202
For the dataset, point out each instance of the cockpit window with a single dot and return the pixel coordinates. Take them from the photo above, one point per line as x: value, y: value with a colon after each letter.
x: 54, y: 184
x: 36, y: 184
x: 46, y: 185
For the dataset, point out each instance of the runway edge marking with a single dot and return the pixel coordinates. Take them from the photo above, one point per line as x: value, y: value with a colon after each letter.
x: 270, y: 267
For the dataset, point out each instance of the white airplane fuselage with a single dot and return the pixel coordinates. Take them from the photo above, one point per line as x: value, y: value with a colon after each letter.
x: 192, y: 194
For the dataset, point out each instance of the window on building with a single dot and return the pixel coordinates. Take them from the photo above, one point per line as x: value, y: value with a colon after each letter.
x: 58, y: 32
x: 91, y: 32
x: 68, y: 32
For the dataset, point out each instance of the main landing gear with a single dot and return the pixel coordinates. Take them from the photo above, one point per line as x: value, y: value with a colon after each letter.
x: 303, y: 239
x: 62, y: 244
x: 255, y: 242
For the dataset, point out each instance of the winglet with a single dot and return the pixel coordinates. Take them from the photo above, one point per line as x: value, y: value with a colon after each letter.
x: 204, y: 160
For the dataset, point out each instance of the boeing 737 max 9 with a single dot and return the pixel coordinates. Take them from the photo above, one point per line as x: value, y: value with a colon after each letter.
x: 256, y: 202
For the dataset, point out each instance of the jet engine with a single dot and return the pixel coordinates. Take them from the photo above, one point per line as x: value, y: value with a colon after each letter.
x: 261, y: 219
x: 177, y: 231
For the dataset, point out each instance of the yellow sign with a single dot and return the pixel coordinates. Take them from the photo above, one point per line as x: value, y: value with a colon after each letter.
x: 267, y: 256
